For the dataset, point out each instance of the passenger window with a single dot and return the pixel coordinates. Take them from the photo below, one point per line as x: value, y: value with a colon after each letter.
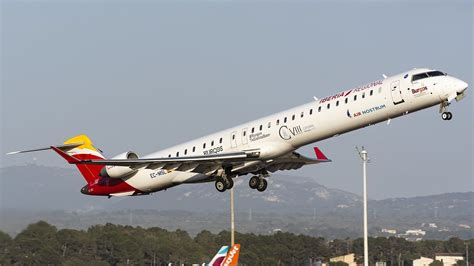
x: 177, y: 154
x: 293, y: 117
x: 319, y: 109
x: 185, y: 151
x: 310, y: 111
x: 269, y: 124
x: 261, y: 127
x: 220, y: 140
x: 285, y: 120
x: 346, y: 100
x: 194, y: 148
x: 337, y: 103
x: 233, y: 137
x: 355, y: 97
x: 302, y: 114
x: 278, y: 122
x: 245, y: 133
x: 371, y: 92
x: 169, y: 155
x: 212, y: 143
x: 329, y: 105
x: 253, y: 129
x: 363, y: 95
x: 204, y: 145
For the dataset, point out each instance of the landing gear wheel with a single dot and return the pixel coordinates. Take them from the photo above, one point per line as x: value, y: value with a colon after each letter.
x: 253, y: 182
x: 230, y: 183
x: 450, y: 115
x: 446, y: 115
x: 262, y: 185
x: 220, y: 185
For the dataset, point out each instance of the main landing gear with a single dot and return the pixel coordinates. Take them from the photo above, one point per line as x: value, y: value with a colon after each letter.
x: 258, y: 182
x: 443, y: 109
x: 446, y: 115
x: 224, y: 183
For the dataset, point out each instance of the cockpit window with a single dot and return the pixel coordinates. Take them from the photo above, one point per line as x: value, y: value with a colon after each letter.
x: 435, y: 73
x: 427, y: 75
x: 419, y: 76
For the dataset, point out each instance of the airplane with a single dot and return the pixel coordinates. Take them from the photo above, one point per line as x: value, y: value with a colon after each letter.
x: 224, y: 257
x: 262, y: 146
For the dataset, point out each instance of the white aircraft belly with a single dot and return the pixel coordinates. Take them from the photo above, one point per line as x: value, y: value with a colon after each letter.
x: 147, y: 180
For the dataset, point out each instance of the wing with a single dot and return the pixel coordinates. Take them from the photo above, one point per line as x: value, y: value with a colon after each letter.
x: 206, y: 164
x: 295, y: 160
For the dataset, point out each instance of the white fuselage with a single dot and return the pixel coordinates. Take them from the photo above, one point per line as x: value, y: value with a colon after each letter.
x: 286, y: 131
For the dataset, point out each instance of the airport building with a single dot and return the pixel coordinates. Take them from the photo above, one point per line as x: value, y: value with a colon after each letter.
x: 448, y: 259
x: 349, y: 259
x: 423, y: 261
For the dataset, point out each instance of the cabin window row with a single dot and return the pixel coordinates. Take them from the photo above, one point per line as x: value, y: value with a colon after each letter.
x: 285, y: 120
x: 269, y: 125
x: 203, y: 147
x: 346, y: 100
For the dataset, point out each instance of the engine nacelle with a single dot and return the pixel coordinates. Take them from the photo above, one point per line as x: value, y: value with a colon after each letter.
x: 113, y: 171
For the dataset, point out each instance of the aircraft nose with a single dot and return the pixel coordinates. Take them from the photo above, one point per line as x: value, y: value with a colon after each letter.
x: 461, y: 86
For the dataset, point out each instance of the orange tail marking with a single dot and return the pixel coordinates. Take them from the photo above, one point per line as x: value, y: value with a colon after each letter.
x: 232, y: 257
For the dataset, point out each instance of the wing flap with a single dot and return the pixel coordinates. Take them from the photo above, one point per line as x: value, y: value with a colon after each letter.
x: 294, y: 160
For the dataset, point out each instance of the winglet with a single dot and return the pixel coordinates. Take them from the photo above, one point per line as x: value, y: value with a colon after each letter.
x: 320, y: 155
x: 66, y: 156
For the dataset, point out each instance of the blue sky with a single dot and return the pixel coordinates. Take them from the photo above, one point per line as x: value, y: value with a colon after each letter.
x: 147, y: 75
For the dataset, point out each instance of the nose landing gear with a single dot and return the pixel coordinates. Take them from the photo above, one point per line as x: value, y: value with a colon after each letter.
x: 446, y: 115
x: 443, y: 109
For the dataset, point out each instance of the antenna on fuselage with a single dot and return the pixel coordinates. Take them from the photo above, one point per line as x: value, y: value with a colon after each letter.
x: 384, y: 76
x: 315, y: 98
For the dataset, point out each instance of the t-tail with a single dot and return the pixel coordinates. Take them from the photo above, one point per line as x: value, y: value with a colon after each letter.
x: 85, y: 151
x: 226, y: 257
x: 76, y: 149
x: 80, y: 148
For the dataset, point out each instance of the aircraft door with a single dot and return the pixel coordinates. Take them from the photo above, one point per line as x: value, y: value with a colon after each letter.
x: 233, y: 139
x: 396, y: 92
x: 244, y: 136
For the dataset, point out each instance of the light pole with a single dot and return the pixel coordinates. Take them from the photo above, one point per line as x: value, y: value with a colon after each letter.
x: 232, y: 225
x: 364, y: 156
x: 467, y: 253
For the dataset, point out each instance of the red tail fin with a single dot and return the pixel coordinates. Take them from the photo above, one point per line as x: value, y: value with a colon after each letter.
x: 84, y: 152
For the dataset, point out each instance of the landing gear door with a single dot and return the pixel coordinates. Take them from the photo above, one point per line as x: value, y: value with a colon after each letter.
x: 244, y: 136
x: 396, y: 92
x: 233, y: 139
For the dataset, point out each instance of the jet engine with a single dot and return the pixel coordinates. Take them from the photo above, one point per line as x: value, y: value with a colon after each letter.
x: 113, y: 171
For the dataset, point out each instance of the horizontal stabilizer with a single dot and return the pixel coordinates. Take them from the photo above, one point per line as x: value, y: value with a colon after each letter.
x: 62, y: 147
x: 66, y: 156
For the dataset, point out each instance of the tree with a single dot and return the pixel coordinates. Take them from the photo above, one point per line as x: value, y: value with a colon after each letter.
x: 5, y: 243
x: 36, y: 245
